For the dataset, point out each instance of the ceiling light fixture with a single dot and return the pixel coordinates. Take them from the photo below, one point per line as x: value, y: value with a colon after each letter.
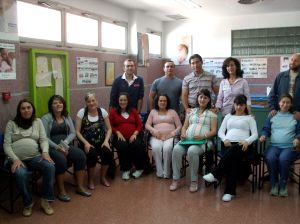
x: 191, y: 4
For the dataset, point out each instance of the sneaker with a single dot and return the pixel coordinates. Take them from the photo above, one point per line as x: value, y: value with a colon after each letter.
x: 46, y: 207
x: 210, y: 178
x: 136, y: 174
x: 174, y: 185
x: 283, y: 192
x: 227, y: 197
x: 27, y: 211
x: 125, y: 175
x: 274, y: 190
x: 193, y: 187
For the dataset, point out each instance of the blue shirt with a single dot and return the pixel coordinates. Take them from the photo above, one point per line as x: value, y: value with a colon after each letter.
x: 282, y: 128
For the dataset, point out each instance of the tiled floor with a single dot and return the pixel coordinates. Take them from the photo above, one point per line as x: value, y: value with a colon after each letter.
x: 148, y: 201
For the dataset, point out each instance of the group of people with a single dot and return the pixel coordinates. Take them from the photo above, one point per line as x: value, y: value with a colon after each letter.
x: 47, y: 144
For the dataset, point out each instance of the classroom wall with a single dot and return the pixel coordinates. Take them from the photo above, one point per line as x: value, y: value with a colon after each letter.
x: 212, y: 35
x: 19, y: 88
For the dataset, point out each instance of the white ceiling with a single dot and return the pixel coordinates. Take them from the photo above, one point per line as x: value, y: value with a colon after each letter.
x: 223, y: 8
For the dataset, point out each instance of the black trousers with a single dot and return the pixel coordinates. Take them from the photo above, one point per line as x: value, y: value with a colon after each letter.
x: 130, y: 153
x: 75, y: 156
x: 234, y: 165
x: 105, y: 154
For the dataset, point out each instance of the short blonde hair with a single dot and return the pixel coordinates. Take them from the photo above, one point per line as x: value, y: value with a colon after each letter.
x: 88, y: 95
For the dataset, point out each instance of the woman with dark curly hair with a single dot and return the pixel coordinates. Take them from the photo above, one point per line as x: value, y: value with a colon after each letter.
x: 232, y: 85
x: 127, y: 129
x: 163, y: 123
x: 61, y: 132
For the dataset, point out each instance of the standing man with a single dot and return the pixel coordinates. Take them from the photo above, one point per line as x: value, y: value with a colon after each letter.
x: 287, y: 82
x: 129, y: 83
x: 168, y: 84
x: 195, y: 81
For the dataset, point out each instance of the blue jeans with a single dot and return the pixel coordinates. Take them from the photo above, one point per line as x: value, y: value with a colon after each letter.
x: 278, y: 161
x: 48, y: 173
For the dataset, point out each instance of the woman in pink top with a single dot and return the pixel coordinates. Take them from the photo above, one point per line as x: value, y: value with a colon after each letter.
x: 232, y: 85
x: 163, y: 124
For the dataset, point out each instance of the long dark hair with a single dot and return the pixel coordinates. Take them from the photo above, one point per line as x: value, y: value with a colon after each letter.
x: 156, y: 101
x: 118, y: 108
x: 62, y: 100
x: 19, y: 120
x: 286, y: 95
x: 206, y: 93
x: 239, y: 71
x: 240, y: 100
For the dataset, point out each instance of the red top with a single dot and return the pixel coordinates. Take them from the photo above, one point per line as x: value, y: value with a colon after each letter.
x: 126, y: 126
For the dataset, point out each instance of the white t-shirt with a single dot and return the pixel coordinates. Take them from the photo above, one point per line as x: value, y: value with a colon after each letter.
x: 80, y: 114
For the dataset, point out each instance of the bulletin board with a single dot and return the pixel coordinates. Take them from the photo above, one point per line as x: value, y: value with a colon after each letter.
x: 48, y: 75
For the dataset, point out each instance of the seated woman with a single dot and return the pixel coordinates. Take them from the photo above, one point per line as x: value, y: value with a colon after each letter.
x: 26, y: 146
x: 94, y: 131
x: 199, y: 124
x: 61, y: 132
x: 238, y: 131
x: 127, y: 126
x: 284, y: 130
x: 163, y: 124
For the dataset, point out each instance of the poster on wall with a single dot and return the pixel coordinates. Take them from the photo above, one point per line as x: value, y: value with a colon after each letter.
x: 8, y: 20
x: 214, y: 66
x: 58, y: 76
x: 182, y: 50
x: 7, y: 61
x: 284, y: 63
x: 87, y: 70
x: 254, y: 67
x: 43, y: 75
x: 143, y: 50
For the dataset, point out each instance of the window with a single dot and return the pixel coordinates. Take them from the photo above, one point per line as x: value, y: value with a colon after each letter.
x: 38, y: 22
x: 154, y: 43
x: 81, y: 30
x: 113, y: 36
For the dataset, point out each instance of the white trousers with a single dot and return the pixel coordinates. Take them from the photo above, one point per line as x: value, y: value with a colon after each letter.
x: 162, y: 154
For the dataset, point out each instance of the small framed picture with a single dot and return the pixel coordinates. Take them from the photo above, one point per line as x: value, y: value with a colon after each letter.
x: 109, y: 73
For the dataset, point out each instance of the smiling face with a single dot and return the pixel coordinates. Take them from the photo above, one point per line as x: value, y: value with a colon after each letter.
x: 91, y: 102
x: 203, y: 101
x: 285, y: 104
x: 231, y: 68
x: 129, y: 67
x: 123, y: 101
x: 57, y: 106
x: 26, y: 110
x: 240, y: 109
x: 162, y: 102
